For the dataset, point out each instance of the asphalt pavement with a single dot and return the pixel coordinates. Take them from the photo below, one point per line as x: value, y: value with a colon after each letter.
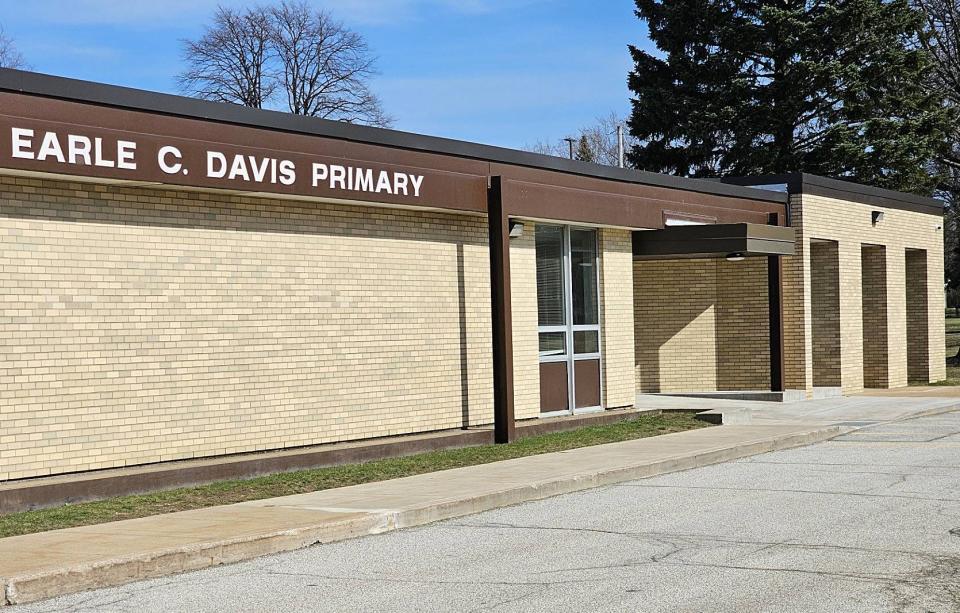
x: 867, y: 522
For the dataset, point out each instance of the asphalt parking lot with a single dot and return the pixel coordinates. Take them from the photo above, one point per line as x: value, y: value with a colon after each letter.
x: 867, y: 522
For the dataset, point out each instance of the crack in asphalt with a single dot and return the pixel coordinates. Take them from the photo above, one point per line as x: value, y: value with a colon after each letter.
x: 938, y: 573
x: 873, y: 465
x: 673, y: 537
x: 411, y: 581
x: 781, y: 491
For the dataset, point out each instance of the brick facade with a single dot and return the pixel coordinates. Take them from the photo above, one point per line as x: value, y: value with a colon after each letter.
x: 701, y: 325
x: 873, y: 264
x: 526, y: 354
x: 617, y: 312
x: 917, y: 333
x: 848, y: 226
x: 145, y: 325
x: 825, y: 302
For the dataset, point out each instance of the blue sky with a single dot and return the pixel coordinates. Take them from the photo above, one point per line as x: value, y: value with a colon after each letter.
x: 504, y: 72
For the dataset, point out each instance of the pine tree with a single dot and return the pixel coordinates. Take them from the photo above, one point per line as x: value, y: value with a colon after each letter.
x: 834, y: 88
x: 584, y: 151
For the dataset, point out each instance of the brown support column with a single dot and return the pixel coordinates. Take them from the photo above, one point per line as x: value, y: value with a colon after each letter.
x: 775, y: 302
x: 502, y: 318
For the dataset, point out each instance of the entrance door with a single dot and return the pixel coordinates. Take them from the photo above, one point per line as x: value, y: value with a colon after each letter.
x: 569, y: 318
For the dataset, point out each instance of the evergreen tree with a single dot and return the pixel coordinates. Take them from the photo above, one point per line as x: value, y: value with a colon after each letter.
x: 584, y: 151
x: 745, y: 87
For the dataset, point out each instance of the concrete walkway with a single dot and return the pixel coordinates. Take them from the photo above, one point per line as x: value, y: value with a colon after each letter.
x: 38, y: 566
x: 872, y: 407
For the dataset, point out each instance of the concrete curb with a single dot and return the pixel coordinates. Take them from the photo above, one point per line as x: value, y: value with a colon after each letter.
x: 111, y: 572
x: 928, y: 413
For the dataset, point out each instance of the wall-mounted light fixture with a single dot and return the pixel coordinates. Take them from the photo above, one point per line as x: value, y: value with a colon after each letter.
x: 516, y: 229
x: 735, y: 257
x: 876, y: 217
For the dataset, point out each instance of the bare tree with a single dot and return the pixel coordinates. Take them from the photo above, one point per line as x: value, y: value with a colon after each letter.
x: 556, y: 149
x: 942, y: 41
x: 260, y: 55
x: 9, y: 56
x: 597, y: 142
x: 325, y: 66
x: 231, y: 61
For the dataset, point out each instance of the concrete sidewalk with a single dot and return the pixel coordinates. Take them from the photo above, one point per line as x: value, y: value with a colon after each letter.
x: 38, y: 566
x: 875, y: 406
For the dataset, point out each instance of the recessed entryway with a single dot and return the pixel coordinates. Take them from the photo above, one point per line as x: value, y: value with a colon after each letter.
x: 918, y: 326
x: 825, y: 312
x: 873, y: 271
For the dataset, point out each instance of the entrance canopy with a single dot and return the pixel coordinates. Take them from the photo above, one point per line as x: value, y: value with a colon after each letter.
x: 713, y: 241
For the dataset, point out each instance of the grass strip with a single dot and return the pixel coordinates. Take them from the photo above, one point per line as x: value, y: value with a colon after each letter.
x: 283, y: 484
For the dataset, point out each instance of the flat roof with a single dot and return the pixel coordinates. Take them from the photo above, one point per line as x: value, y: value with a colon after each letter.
x: 74, y: 90
x: 814, y: 185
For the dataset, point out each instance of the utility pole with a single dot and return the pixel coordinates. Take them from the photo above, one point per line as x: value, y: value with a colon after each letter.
x: 620, y: 146
x: 570, y: 142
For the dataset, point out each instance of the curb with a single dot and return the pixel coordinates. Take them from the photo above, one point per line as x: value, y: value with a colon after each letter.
x: 118, y: 571
x: 928, y: 413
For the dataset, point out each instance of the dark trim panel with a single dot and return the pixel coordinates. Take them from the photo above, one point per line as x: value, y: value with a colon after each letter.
x: 713, y: 241
x: 37, y: 84
x: 814, y: 185
x: 502, y: 315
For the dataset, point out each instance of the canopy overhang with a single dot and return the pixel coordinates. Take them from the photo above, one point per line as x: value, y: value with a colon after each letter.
x: 713, y: 241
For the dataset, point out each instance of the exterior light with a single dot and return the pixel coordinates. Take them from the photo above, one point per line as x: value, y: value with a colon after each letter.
x: 516, y: 229
x: 735, y: 257
x: 876, y: 217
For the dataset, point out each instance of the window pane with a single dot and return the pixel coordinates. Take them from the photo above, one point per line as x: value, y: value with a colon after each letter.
x: 587, y: 341
x: 583, y: 260
x: 549, y: 241
x: 553, y: 343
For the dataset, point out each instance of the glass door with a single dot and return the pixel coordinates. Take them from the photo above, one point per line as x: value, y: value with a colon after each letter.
x: 569, y: 318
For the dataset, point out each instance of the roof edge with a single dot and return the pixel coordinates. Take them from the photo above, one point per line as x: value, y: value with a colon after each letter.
x: 89, y: 92
x: 816, y: 185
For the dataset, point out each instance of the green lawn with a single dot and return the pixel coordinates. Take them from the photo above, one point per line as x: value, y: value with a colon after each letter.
x: 228, y: 492
x: 953, y: 342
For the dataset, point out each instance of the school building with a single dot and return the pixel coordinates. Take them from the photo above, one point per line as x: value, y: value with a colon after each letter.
x: 183, y: 279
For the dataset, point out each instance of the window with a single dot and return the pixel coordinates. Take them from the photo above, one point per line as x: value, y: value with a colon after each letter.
x: 583, y: 265
x: 550, y: 307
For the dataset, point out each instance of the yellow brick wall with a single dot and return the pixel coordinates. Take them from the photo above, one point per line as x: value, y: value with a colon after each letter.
x: 523, y: 294
x: 701, y: 325
x: 144, y: 325
x: 616, y: 295
x: 743, y: 325
x: 797, y: 335
x: 849, y: 224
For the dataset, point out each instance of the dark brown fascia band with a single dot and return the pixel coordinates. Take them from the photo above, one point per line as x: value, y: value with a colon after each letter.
x: 814, y: 185
x: 713, y: 241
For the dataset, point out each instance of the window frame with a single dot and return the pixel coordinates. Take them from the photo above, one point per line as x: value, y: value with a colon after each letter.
x: 569, y: 328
